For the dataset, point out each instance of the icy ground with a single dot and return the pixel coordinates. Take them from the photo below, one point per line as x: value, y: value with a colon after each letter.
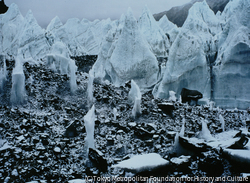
x: 36, y: 146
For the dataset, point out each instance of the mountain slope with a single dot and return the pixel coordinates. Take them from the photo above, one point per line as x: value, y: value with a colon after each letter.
x: 178, y: 14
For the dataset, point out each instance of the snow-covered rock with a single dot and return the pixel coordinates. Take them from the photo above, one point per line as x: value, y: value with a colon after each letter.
x: 232, y: 65
x: 153, y: 33
x: 127, y: 57
x: 142, y: 162
x: 187, y: 65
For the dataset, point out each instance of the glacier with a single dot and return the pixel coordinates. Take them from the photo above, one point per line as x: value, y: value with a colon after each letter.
x: 209, y: 53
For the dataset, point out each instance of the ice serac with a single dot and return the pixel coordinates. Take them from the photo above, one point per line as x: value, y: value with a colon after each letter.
x: 126, y: 56
x: 232, y: 66
x: 188, y: 66
x: 135, y: 96
x: 89, y: 120
x: 3, y: 72
x: 74, y: 28
x: 32, y: 41
x: 12, y: 22
x: 99, y: 29
x: 165, y: 24
x: 59, y: 61
x: 155, y: 36
x: 18, y: 83
x: 72, y: 73
x: 56, y: 32
x: 169, y: 28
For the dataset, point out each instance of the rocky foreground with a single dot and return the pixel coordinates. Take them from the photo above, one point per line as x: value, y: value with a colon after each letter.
x: 44, y: 139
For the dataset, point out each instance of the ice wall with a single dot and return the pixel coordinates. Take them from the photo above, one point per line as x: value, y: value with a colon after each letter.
x: 18, y: 83
x: 232, y: 67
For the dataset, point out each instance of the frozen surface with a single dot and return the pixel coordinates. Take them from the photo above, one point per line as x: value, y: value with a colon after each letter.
x: 143, y: 162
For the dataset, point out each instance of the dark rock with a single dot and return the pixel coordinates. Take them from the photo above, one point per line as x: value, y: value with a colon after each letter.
x: 97, y: 158
x: 141, y: 133
x: 190, y: 96
x: 110, y: 141
x: 3, y: 7
x: 211, y: 164
x: 241, y: 142
x: 167, y: 108
x: 71, y: 130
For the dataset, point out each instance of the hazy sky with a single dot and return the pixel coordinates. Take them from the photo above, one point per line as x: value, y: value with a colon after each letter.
x: 45, y: 10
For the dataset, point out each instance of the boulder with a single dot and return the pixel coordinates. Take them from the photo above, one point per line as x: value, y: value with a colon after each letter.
x: 190, y: 96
